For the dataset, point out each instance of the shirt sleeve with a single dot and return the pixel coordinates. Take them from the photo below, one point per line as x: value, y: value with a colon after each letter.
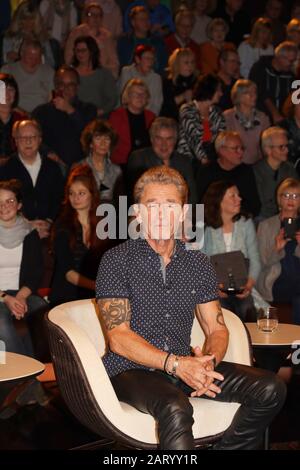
x: 111, y: 279
x: 208, y: 285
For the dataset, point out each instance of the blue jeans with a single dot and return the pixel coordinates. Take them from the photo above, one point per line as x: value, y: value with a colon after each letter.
x: 13, y: 342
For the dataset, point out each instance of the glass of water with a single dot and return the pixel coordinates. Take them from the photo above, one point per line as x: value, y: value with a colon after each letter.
x: 267, y: 319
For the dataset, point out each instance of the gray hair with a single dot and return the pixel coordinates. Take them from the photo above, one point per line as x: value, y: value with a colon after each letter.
x: 163, y: 123
x: 222, y: 138
x: 267, y: 136
x: 26, y: 122
x: 284, y: 47
x: 240, y: 87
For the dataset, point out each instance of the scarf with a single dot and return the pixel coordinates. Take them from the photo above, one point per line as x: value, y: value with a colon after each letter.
x: 11, y: 237
x: 247, y: 123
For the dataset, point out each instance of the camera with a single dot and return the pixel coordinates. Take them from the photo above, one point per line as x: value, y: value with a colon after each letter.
x: 291, y: 226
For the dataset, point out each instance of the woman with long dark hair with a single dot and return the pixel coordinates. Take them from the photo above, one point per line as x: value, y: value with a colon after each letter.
x: 77, y: 249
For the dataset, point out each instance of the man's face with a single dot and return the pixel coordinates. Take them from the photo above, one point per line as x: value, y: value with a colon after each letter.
x: 278, y: 150
x: 286, y: 61
x: 273, y: 9
x: 94, y: 17
x: 28, y: 141
x: 235, y: 5
x: 66, y: 85
x: 184, y: 27
x: 141, y: 23
x: 231, y: 65
x: 160, y: 211
x: 163, y: 143
x: 232, y: 152
x: 31, y: 57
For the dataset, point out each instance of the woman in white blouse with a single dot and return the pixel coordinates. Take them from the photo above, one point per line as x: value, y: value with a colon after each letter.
x: 258, y: 44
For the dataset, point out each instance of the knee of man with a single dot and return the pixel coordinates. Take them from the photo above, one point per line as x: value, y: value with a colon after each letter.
x: 274, y: 389
x: 177, y: 404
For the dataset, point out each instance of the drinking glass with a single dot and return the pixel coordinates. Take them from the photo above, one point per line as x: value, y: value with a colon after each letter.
x: 267, y: 319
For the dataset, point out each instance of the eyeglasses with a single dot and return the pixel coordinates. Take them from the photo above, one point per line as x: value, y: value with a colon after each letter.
x: 27, y: 138
x: 237, y: 148
x: 134, y: 94
x: 293, y: 196
x: 8, y: 202
x: 90, y: 14
x: 281, y: 146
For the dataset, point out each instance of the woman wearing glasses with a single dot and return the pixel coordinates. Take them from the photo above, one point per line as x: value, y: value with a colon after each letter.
x: 279, y: 246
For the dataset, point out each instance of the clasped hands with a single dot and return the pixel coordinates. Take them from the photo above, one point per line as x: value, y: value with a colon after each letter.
x: 198, y: 372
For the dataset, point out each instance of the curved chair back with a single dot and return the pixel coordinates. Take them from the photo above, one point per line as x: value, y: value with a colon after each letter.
x: 77, y: 344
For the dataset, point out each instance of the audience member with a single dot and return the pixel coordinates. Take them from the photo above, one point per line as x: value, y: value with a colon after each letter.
x: 76, y: 246
x: 160, y: 17
x: 34, y: 79
x: 98, y: 140
x: 27, y: 23
x: 273, y: 77
x: 279, y: 279
x: 181, y: 38
x: 210, y: 50
x: 237, y: 19
x: 179, y: 83
x: 200, y: 10
x: 41, y: 178
x: 229, y: 167
x: 64, y: 117
x: 140, y: 34
x: 112, y: 16
x: 229, y: 72
x: 200, y: 121
x: 272, y: 169
x: 9, y: 114
x: 273, y: 12
x: 228, y: 230
x: 131, y: 121
x: 59, y: 17
x: 92, y: 26
x: 246, y: 119
x: 163, y: 135
x: 142, y: 68
x: 97, y: 84
x: 257, y: 45
x: 293, y: 35
x: 291, y: 124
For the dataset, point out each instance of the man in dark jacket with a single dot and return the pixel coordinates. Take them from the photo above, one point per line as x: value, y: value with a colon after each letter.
x: 163, y: 135
x: 273, y: 77
x: 64, y: 118
x: 229, y: 167
x: 41, y: 178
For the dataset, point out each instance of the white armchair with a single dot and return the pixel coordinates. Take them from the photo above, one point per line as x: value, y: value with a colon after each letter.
x: 77, y: 344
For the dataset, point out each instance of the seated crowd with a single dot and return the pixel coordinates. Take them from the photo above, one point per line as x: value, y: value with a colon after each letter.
x: 95, y: 96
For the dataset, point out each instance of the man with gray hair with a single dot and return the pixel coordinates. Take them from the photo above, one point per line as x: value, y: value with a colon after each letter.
x: 34, y: 79
x: 273, y: 169
x: 163, y: 136
x: 273, y: 77
x: 229, y: 167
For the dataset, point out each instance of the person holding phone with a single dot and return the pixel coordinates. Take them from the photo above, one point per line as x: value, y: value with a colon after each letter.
x: 279, y: 246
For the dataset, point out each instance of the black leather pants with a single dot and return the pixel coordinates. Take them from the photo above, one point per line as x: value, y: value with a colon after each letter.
x: 260, y: 392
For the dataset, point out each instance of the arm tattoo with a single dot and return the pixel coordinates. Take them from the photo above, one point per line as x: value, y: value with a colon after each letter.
x: 114, y: 312
x: 220, y: 318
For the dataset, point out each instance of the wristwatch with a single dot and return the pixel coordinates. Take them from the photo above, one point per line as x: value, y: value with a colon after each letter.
x: 2, y: 296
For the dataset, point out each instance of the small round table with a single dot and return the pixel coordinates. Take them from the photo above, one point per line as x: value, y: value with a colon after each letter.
x: 17, y: 367
x: 285, y: 335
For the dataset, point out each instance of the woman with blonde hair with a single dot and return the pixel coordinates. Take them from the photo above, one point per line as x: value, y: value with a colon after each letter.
x: 131, y: 121
x: 179, y: 83
x: 258, y: 44
x: 245, y: 118
x: 217, y: 30
x: 279, y: 246
x: 27, y: 23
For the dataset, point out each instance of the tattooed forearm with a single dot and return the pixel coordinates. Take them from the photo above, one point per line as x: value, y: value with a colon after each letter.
x: 220, y: 318
x: 114, y: 312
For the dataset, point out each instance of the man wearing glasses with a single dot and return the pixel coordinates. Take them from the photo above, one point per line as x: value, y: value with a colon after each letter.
x: 229, y: 166
x: 272, y: 169
x: 64, y: 117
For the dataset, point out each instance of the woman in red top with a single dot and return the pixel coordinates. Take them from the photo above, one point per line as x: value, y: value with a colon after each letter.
x: 131, y: 121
